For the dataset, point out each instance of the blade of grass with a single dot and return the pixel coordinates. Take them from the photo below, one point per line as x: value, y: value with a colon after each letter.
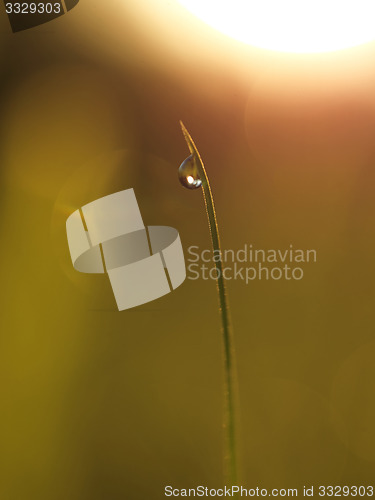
x: 229, y: 366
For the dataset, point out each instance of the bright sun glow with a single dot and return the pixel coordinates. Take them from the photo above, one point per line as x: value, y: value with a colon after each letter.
x: 291, y: 25
x: 190, y: 179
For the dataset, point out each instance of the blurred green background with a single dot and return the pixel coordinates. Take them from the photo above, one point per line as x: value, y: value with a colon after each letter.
x: 98, y: 404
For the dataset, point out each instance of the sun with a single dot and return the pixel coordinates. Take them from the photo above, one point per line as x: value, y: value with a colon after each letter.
x: 301, y: 26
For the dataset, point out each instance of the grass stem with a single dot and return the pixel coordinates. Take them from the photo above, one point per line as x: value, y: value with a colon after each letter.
x: 229, y: 365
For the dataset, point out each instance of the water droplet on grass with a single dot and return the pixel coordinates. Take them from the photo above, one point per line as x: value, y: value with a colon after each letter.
x: 188, y: 174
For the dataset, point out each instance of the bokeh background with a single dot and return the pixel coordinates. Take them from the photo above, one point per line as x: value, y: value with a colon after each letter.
x: 98, y: 404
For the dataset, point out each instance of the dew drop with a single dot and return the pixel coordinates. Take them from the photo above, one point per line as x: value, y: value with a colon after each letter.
x: 188, y: 174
